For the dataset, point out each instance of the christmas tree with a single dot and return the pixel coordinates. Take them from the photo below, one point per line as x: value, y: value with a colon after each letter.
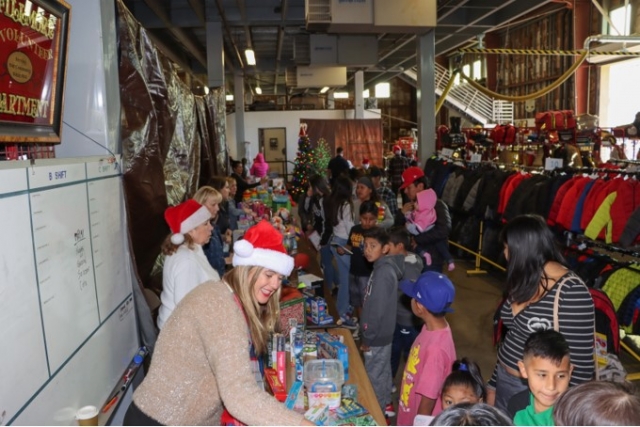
x: 322, y: 156
x: 304, y: 164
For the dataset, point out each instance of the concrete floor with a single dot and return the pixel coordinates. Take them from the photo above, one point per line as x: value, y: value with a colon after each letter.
x: 477, y: 296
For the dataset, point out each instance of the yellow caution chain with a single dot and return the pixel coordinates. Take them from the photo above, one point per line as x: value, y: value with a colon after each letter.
x: 533, y: 95
x: 546, y: 52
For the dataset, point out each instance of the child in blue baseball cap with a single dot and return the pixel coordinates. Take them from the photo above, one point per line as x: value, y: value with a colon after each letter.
x: 433, y: 352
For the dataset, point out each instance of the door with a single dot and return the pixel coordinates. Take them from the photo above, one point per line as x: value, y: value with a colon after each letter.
x: 273, y: 146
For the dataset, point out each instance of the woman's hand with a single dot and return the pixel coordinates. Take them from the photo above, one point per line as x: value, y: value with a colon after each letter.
x: 228, y: 235
x: 365, y: 348
x: 263, y: 180
x: 340, y: 251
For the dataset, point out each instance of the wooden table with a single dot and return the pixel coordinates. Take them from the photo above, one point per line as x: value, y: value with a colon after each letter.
x: 359, y: 377
x: 357, y: 373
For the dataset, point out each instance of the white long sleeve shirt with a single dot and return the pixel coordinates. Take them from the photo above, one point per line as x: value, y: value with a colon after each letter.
x: 182, y: 272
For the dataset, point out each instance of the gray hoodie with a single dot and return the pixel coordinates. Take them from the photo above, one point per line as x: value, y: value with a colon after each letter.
x: 412, y: 268
x: 378, y: 321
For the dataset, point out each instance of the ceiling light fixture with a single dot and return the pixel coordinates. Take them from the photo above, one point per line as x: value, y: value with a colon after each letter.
x: 324, y: 89
x: 341, y: 95
x: 229, y: 97
x: 251, y: 56
x: 258, y: 90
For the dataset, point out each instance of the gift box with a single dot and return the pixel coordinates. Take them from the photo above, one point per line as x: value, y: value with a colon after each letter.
x: 291, y: 307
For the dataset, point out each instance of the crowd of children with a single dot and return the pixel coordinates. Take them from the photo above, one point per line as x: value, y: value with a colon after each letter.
x: 437, y: 387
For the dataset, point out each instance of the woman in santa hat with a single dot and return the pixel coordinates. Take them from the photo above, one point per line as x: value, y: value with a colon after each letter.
x: 205, y: 363
x: 185, y: 264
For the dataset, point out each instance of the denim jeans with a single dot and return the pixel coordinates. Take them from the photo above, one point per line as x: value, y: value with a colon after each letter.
x: 344, y: 263
x: 328, y: 269
x: 403, y: 338
x: 507, y: 386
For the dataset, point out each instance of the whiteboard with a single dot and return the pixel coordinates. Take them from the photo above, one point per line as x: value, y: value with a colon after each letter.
x: 67, y: 317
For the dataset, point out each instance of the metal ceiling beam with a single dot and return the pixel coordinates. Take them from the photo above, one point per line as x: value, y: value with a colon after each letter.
x: 198, y: 8
x: 227, y: 30
x: 510, y: 10
x: 284, y: 6
x: 179, y: 33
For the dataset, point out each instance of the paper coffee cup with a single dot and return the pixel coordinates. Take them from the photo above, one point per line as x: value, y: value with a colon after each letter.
x: 87, y: 416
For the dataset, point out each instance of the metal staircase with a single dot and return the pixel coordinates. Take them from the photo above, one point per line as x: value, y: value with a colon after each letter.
x: 469, y: 101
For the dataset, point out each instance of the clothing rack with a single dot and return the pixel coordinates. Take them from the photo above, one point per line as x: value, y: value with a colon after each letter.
x: 582, y: 240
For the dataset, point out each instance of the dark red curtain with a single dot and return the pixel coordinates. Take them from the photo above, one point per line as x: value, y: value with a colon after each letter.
x: 360, y: 138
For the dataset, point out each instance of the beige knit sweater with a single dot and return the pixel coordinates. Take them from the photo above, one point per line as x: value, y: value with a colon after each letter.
x: 201, y: 360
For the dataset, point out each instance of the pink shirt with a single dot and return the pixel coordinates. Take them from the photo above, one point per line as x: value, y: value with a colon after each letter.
x: 428, y: 365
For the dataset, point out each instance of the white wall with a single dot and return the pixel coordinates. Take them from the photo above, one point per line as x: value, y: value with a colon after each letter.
x: 254, y: 120
x: 91, y: 117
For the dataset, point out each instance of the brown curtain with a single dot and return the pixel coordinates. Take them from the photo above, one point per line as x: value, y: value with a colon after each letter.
x: 172, y: 141
x: 360, y: 138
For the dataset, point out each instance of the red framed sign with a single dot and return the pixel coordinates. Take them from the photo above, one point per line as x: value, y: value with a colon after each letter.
x: 33, y: 56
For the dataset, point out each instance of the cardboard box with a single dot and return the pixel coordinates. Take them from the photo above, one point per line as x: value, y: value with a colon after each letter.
x: 329, y: 347
x: 317, y: 311
x: 292, y: 306
x: 275, y: 386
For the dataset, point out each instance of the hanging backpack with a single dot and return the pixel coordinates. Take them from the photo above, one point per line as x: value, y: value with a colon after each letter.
x: 606, y: 320
x: 629, y: 311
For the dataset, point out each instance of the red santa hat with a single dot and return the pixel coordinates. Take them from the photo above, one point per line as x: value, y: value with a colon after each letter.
x: 396, y: 149
x: 365, y: 161
x: 262, y: 246
x: 184, y: 218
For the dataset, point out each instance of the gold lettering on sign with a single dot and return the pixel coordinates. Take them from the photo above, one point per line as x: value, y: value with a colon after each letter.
x: 22, y: 106
x: 24, y: 42
x: 35, y: 18
x: 19, y: 67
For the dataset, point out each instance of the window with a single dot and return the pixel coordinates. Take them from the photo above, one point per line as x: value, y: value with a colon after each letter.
x: 477, y: 70
x: 621, y: 19
x: 466, y: 70
x: 456, y: 79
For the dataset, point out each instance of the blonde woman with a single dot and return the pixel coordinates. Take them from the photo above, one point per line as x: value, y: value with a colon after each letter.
x: 205, y: 360
x: 211, y: 199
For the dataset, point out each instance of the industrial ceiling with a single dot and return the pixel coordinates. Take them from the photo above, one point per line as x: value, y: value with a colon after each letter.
x: 272, y: 28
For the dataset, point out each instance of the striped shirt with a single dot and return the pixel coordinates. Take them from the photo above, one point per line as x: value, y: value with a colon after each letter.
x: 576, y: 319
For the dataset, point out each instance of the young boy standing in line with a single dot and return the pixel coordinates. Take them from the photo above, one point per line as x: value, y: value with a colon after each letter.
x: 433, y: 351
x: 546, y: 365
x: 378, y: 316
x: 408, y: 325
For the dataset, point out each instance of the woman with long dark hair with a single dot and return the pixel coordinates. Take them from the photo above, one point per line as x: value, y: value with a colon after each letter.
x: 535, y: 268
x: 313, y: 216
x: 341, y: 216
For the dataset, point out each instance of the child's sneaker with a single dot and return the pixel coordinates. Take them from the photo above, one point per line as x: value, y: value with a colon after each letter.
x: 356, y: 334
x: 348, y: 322
x: 451, y: 266
x: 389, y: 411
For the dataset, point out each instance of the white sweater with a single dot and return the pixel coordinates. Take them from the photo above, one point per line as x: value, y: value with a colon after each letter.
x: 182, y: 272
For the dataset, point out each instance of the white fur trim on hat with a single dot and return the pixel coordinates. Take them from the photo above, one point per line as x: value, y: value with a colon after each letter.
x: 245, y: 254
x: 190, y: 223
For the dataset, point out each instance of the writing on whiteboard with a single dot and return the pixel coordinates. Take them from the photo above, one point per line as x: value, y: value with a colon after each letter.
x: 57, y: 175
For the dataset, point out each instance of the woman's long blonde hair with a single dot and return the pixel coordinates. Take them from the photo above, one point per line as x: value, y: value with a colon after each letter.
x: 261, y: 319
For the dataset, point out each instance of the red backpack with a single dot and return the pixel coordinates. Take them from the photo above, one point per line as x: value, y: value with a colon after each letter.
x: 606, y: 320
